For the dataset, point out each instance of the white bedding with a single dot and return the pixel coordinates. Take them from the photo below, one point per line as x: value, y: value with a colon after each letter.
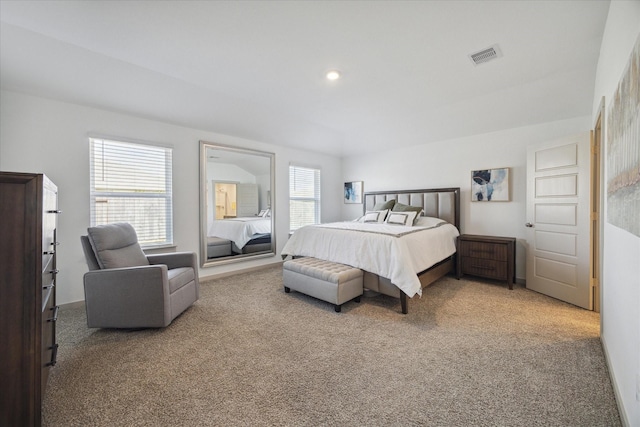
x: 239, y: 230
x: 395, y: 252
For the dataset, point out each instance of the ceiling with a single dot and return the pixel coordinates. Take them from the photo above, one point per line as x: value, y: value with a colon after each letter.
x: 256, y: 69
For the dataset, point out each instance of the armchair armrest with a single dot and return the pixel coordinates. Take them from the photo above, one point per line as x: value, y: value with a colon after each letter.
x: 175, y: 260
x: 132, y: 297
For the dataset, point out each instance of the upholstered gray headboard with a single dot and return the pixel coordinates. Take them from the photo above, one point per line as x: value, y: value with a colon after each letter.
x: 437, y: 202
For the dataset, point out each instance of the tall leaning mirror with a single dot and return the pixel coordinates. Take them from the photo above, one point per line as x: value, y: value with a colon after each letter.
x: 237, y: 214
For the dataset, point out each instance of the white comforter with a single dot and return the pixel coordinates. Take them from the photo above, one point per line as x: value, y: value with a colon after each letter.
x: 395, y: 252
x: 239, y: 230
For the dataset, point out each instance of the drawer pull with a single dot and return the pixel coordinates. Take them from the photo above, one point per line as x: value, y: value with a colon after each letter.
x: 54, y: 355
x: 48, y: 253
x: 54, y: 271
x: 55, y: 314
x: 55, y: 243
x: 51, y: 286
x: 55, y: 211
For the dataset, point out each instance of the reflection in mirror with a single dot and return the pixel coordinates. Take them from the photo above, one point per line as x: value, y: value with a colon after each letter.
x: 236, y: 210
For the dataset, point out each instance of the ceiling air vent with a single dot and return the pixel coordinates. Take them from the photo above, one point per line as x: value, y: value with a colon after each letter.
x: 486, y: 55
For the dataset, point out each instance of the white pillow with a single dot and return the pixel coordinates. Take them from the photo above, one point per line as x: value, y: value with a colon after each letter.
x: 401, y: 218
x: 428, y: 221
x: 263, y: 213
x: 374, y: 216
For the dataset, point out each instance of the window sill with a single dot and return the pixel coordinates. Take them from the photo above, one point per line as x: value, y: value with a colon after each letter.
x: 159, y: 248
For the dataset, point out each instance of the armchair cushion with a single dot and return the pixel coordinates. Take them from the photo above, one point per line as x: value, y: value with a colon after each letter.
x: 116, y: 246
x: 178, y: 277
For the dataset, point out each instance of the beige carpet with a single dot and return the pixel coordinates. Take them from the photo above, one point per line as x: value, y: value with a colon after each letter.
x: 469, y: 353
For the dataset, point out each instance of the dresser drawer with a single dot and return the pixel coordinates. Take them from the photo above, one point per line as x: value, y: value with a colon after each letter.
x: 488, y: 268
x: 483, y: 250
x: 48, y: 287
x: 47, y: 264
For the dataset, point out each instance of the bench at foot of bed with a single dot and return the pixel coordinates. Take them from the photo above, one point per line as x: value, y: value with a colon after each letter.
x: 218, y: 247
x: 329, y: 281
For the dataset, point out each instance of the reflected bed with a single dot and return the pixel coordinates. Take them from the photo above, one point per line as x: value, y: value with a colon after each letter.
x: 238, y: 236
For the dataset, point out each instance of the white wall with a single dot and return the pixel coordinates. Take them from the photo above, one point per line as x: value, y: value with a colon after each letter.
x: 449, y: 164
x: 44, y: 136
x: 620, y: 283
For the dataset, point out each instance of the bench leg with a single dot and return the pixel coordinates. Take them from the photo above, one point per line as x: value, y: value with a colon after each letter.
x: 287, y: 290
x: 338, y: 308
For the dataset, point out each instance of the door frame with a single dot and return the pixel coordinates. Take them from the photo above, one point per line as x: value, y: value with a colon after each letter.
x: 596, y: 207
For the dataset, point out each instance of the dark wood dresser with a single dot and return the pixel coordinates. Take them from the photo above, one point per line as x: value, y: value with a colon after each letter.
x: 487, y: 256
x: 28, y: 311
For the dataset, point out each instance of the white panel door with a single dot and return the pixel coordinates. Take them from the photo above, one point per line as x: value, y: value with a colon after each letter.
x: 558, y: 219
x: 247, y: 200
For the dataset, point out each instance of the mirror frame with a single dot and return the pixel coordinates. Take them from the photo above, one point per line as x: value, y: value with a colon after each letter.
x: 204, y: 262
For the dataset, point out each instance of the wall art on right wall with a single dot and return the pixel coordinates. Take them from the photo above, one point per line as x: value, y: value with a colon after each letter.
x: 490, y: 185
x: 623, y: 149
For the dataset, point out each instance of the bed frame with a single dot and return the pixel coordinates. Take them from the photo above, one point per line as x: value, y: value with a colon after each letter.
x: 436, y: 202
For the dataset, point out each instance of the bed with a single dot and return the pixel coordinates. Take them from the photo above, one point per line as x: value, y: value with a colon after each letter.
x: 246, y: 235
x: 397, y: 260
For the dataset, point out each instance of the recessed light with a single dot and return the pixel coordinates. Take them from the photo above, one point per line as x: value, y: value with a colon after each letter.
x: 333, y: 74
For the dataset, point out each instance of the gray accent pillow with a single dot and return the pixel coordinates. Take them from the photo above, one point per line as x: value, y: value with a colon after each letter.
x: 384, y: 205
x: 116, y: 246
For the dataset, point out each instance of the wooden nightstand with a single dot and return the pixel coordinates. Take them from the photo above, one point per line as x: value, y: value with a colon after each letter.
x: 487, y: 256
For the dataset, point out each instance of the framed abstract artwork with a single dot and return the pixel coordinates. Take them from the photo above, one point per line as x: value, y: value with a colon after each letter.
x: 623, y: 150
x: 490, y: 185
x: 353, y: 192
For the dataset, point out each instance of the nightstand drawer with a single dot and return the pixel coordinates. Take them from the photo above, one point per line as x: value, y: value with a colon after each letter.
x: 488, y: 268
x: 483, y: 250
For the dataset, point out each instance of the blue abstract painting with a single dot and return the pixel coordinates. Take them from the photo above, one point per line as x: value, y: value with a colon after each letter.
x: 490, y: 185
x: 353, y: 192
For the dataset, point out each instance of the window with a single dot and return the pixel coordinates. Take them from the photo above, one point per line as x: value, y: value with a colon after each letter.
x: 131, y: 182
x: 304, y: 196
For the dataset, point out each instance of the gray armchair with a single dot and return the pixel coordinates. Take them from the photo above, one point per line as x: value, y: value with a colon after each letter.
x: 125, y: 288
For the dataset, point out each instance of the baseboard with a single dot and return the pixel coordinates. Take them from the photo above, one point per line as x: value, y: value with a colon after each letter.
x: 616, y: 391
x: 240, y: 271
x: 70, y: 305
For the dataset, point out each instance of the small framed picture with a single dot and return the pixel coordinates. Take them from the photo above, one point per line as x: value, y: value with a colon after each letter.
x: 490, y: 185
x: 353, y: 192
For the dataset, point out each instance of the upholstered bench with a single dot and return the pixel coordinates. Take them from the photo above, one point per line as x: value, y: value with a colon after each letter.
x: 256, y: 244
x: 217, y: 247
x: 329, y: 281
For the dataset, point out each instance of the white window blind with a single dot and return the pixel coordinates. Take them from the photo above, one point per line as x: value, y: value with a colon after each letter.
x: 304, y: 196
x: 131, y: 182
